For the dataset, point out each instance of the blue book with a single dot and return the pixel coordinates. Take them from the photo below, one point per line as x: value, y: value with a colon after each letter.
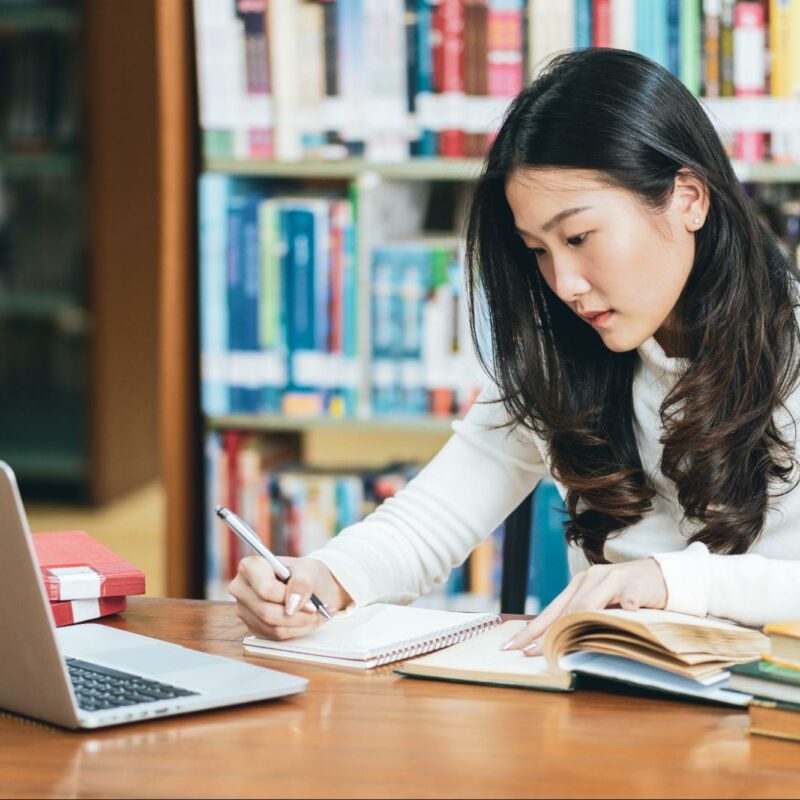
x: 214, y: 191
x: 250, y: 392
x: 426, y: 144
x: 674, y: 36
x: 413, y: 278
x: 350, y: 393
x: 549, y: 571
x: 350, y: 35
x: 660, y: 35
x: 235, y: 293
x: 298, y: 280
x: 383, y: 310
x: 645, y: 28
x: 583, y: 23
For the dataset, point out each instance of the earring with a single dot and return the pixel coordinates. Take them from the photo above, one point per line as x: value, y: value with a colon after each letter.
x: 696, y: 221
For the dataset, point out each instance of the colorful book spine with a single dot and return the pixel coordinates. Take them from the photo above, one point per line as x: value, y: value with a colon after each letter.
x: 272, y: 342
x: 748, y: 77
x: 690, y: 60
x: 213, y: 194
x: 673, y: 36
x: 425, y: 145
x: 583, y: 23
x: 712, y: 10
x: 623, y: 24
x: 256, y: 97
x: 452, y: 142
x: 601, y: 23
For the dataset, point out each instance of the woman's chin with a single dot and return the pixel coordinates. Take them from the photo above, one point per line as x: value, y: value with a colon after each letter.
x: 619, y: 342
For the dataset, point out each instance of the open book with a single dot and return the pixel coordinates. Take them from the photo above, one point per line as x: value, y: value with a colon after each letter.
x: 375, y: 635
x: 661, y: 650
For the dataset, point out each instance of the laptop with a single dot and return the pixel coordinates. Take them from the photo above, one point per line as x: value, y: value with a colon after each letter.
x: 92, y: 676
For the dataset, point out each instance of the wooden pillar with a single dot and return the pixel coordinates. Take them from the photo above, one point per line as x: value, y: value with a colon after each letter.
x: 179, y: 423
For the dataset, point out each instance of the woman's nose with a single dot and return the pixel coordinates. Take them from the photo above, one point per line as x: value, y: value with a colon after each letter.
x: 569, y: 281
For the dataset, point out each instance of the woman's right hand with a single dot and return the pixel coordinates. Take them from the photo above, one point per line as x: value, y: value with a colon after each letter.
x: 274, y: 610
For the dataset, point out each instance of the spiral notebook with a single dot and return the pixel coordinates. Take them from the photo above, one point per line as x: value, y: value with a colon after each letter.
x: 376, y: 635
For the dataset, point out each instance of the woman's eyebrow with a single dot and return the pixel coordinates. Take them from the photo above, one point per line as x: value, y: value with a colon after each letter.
x: 560, y: 217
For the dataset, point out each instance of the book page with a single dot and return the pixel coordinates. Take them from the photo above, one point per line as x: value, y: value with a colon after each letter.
x: 482, y: 659
x: 674, y: 633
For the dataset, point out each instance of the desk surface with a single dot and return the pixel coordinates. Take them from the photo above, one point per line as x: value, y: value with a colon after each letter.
x: 378, y: 735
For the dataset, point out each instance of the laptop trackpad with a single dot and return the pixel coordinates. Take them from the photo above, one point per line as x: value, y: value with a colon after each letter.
x: 155, y: 659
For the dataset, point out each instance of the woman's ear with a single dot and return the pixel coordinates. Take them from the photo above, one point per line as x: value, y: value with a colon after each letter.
x: 690, y: 199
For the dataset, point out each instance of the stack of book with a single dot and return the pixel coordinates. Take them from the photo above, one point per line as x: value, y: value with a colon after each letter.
x: 774, y: 682
x: 279, y: 297
x: 422, y: 360
x: 83, y: 579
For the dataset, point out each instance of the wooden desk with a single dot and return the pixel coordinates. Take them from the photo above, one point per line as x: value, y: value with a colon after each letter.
x: 378, y: 735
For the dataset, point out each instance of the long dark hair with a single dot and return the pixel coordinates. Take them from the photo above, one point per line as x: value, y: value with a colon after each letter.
x: 620, y: 114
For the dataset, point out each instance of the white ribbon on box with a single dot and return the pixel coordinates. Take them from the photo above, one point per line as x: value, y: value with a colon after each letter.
x: 77, y: 583
x: 85, y: 609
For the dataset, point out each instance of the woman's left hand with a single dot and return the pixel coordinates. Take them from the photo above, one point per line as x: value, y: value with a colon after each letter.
x: 630, y: 585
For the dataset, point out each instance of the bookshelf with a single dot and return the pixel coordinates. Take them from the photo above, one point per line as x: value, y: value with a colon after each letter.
x: 337, y: 442
x: 77, y: 254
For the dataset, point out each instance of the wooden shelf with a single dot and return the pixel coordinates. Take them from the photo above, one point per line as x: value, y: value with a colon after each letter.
x: 417, y: 169
x: 436, y: 169
x: 767, y: 172
x: 275, y: 422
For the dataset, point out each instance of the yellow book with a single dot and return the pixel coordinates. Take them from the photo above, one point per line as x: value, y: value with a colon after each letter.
x: 780, y: 37
x: 784, y: 643
x: 771, y: 718
x: 793, y: 78
x: 657, y: 650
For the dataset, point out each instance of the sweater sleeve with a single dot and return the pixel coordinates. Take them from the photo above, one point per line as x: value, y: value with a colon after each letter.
x: 413, y: 540
x: 751, y: 588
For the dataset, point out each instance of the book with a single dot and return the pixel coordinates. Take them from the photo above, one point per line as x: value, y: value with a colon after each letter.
x: 75, y: 566
x: 784, y: 642
x: 70, y: 612
x: 771, y: 718
x: 657, y: 650
x: 766, y: 680
x: 376, y: 635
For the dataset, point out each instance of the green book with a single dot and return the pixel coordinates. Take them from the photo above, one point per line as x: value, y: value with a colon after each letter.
x: 765, y: 679
x: 689, y: 38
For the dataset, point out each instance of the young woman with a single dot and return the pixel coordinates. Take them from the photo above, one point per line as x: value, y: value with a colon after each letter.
x: 645, y: 343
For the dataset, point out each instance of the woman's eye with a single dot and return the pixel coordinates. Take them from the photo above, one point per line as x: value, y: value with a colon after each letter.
x: 577, y: 241
x: 537, y: 251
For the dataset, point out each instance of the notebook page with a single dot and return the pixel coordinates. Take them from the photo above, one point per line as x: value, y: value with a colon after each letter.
x: 377, y: 629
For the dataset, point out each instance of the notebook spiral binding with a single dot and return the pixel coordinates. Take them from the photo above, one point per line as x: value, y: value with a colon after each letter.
x: 416, y: 647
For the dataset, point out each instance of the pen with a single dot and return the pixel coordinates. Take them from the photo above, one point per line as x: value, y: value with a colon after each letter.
x: 249, y: 536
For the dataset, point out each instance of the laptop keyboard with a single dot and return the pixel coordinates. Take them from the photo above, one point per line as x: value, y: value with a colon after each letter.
x: 99, y: 688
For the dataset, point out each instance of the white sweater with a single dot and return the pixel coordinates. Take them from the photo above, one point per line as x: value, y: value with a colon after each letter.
x: 413, y: 540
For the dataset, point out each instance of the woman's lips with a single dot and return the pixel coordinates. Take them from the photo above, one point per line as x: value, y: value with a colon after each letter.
x: 598, y: 319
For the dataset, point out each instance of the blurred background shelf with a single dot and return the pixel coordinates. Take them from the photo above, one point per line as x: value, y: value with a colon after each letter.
x: 78, y: 247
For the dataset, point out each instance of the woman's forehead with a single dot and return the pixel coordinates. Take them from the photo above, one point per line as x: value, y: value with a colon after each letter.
x: 555, y: 182
x: 541, y: 192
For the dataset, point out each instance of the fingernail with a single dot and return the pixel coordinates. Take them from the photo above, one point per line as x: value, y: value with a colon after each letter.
x: 509, y: 643
x: 531, y: 646
x: 292, y: 602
